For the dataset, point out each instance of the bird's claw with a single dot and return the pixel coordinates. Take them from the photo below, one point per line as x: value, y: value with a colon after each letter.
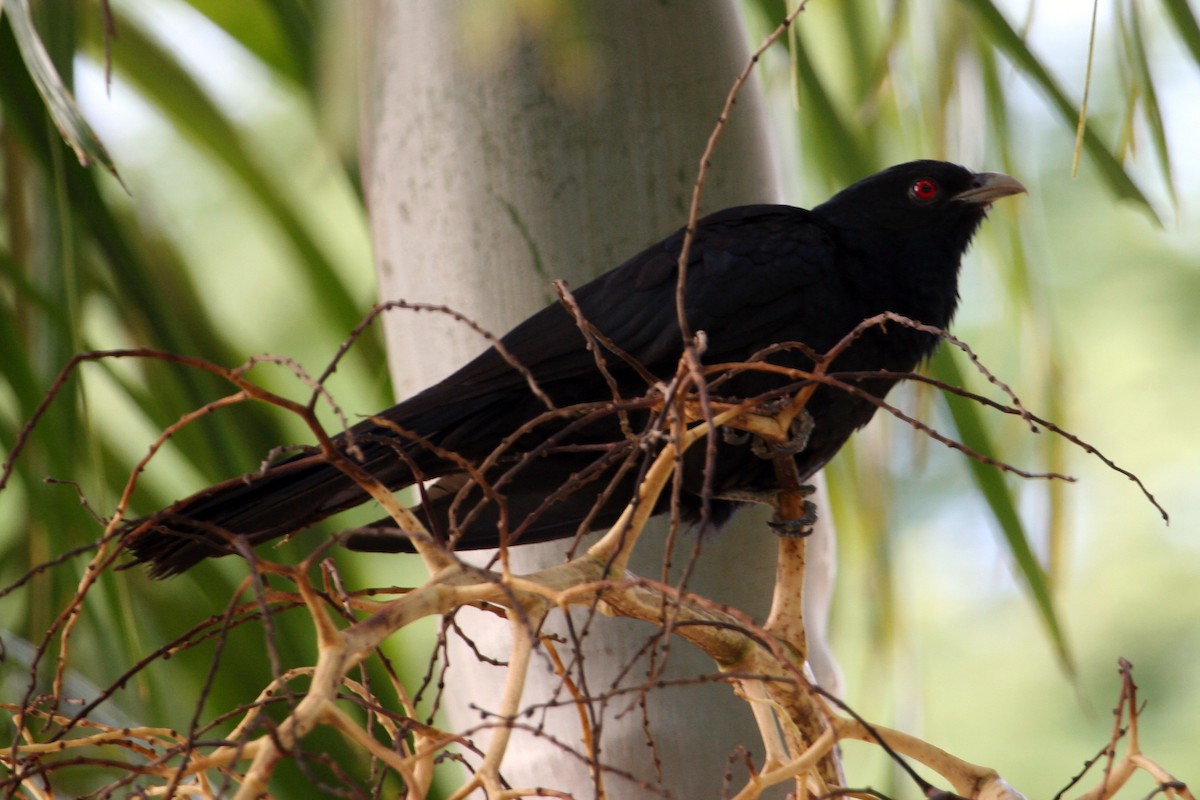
x: 734, y: 436
x: 801, y: 526
x: 797, y: 441
x: 796, y: 528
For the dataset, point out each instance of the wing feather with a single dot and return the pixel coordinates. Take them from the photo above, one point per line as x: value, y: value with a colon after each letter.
x: 741, y: 290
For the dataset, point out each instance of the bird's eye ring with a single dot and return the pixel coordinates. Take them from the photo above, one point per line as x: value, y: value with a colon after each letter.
x: 923, y: 190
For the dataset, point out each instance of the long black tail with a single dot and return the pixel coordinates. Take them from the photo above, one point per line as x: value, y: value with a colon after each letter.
x: 298, y: 492
x: 284, y: 498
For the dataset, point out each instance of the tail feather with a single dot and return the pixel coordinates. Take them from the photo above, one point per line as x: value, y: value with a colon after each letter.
x: 298, y: 492
x: 282, y: 499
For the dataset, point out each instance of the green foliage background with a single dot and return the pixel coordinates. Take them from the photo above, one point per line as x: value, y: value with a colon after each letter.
x: 979, y: 611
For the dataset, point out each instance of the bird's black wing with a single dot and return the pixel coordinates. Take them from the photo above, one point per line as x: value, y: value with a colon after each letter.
x: 756, y: 276
x: 752, y: 272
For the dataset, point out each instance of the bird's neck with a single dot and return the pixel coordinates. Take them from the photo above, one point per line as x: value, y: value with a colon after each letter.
x: 914, y: 279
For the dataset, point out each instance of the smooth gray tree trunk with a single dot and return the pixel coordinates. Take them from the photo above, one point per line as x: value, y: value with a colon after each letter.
x: 494, y: 164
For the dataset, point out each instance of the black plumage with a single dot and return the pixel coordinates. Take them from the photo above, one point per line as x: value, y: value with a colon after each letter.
x: 757, y: 276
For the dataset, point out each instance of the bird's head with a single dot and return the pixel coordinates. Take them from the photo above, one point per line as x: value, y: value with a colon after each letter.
x: 920, y: 204
x: 902, y: 234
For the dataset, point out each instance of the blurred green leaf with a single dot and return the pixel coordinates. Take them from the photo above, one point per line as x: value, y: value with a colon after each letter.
x: 1181, y: 16
x: 998, y: 30
x: 169, y: 319
x: 995, y: 105
x: 280, y: 33
x: 58, y: 100
x: 832, y: 136
x: 1135, y: 45
x: 973, y: 432
x: 178, y: 95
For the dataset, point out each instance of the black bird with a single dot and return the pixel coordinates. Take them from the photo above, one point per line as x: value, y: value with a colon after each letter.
x: 757, y: 276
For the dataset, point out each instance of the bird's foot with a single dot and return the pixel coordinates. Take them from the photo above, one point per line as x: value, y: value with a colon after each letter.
x: 793, y: 528
x: 797, y: 441
x: 797, y: 527
x: 735, y: 436
x: 801, y: 428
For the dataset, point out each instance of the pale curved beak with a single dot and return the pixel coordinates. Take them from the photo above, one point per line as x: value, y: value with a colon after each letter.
x: 989, y: 186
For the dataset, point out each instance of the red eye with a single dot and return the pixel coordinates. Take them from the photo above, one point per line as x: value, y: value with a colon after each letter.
x: 923, y: 190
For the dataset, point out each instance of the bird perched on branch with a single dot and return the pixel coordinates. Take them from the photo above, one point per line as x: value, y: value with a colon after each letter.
x: 564, y: 459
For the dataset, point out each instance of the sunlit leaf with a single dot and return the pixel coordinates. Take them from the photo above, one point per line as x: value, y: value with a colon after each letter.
x: 1136, y: 47
x: 1000, y: 32
x: 176, y: 93
x: 58, y: 100
x: 834, y: 138
x: 1180, y: 13
x: 279, y: 33
x: 1081, y: 125
x: 167, y: 318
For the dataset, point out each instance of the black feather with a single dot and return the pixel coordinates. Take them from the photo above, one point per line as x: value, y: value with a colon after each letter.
x: 757, y: 276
